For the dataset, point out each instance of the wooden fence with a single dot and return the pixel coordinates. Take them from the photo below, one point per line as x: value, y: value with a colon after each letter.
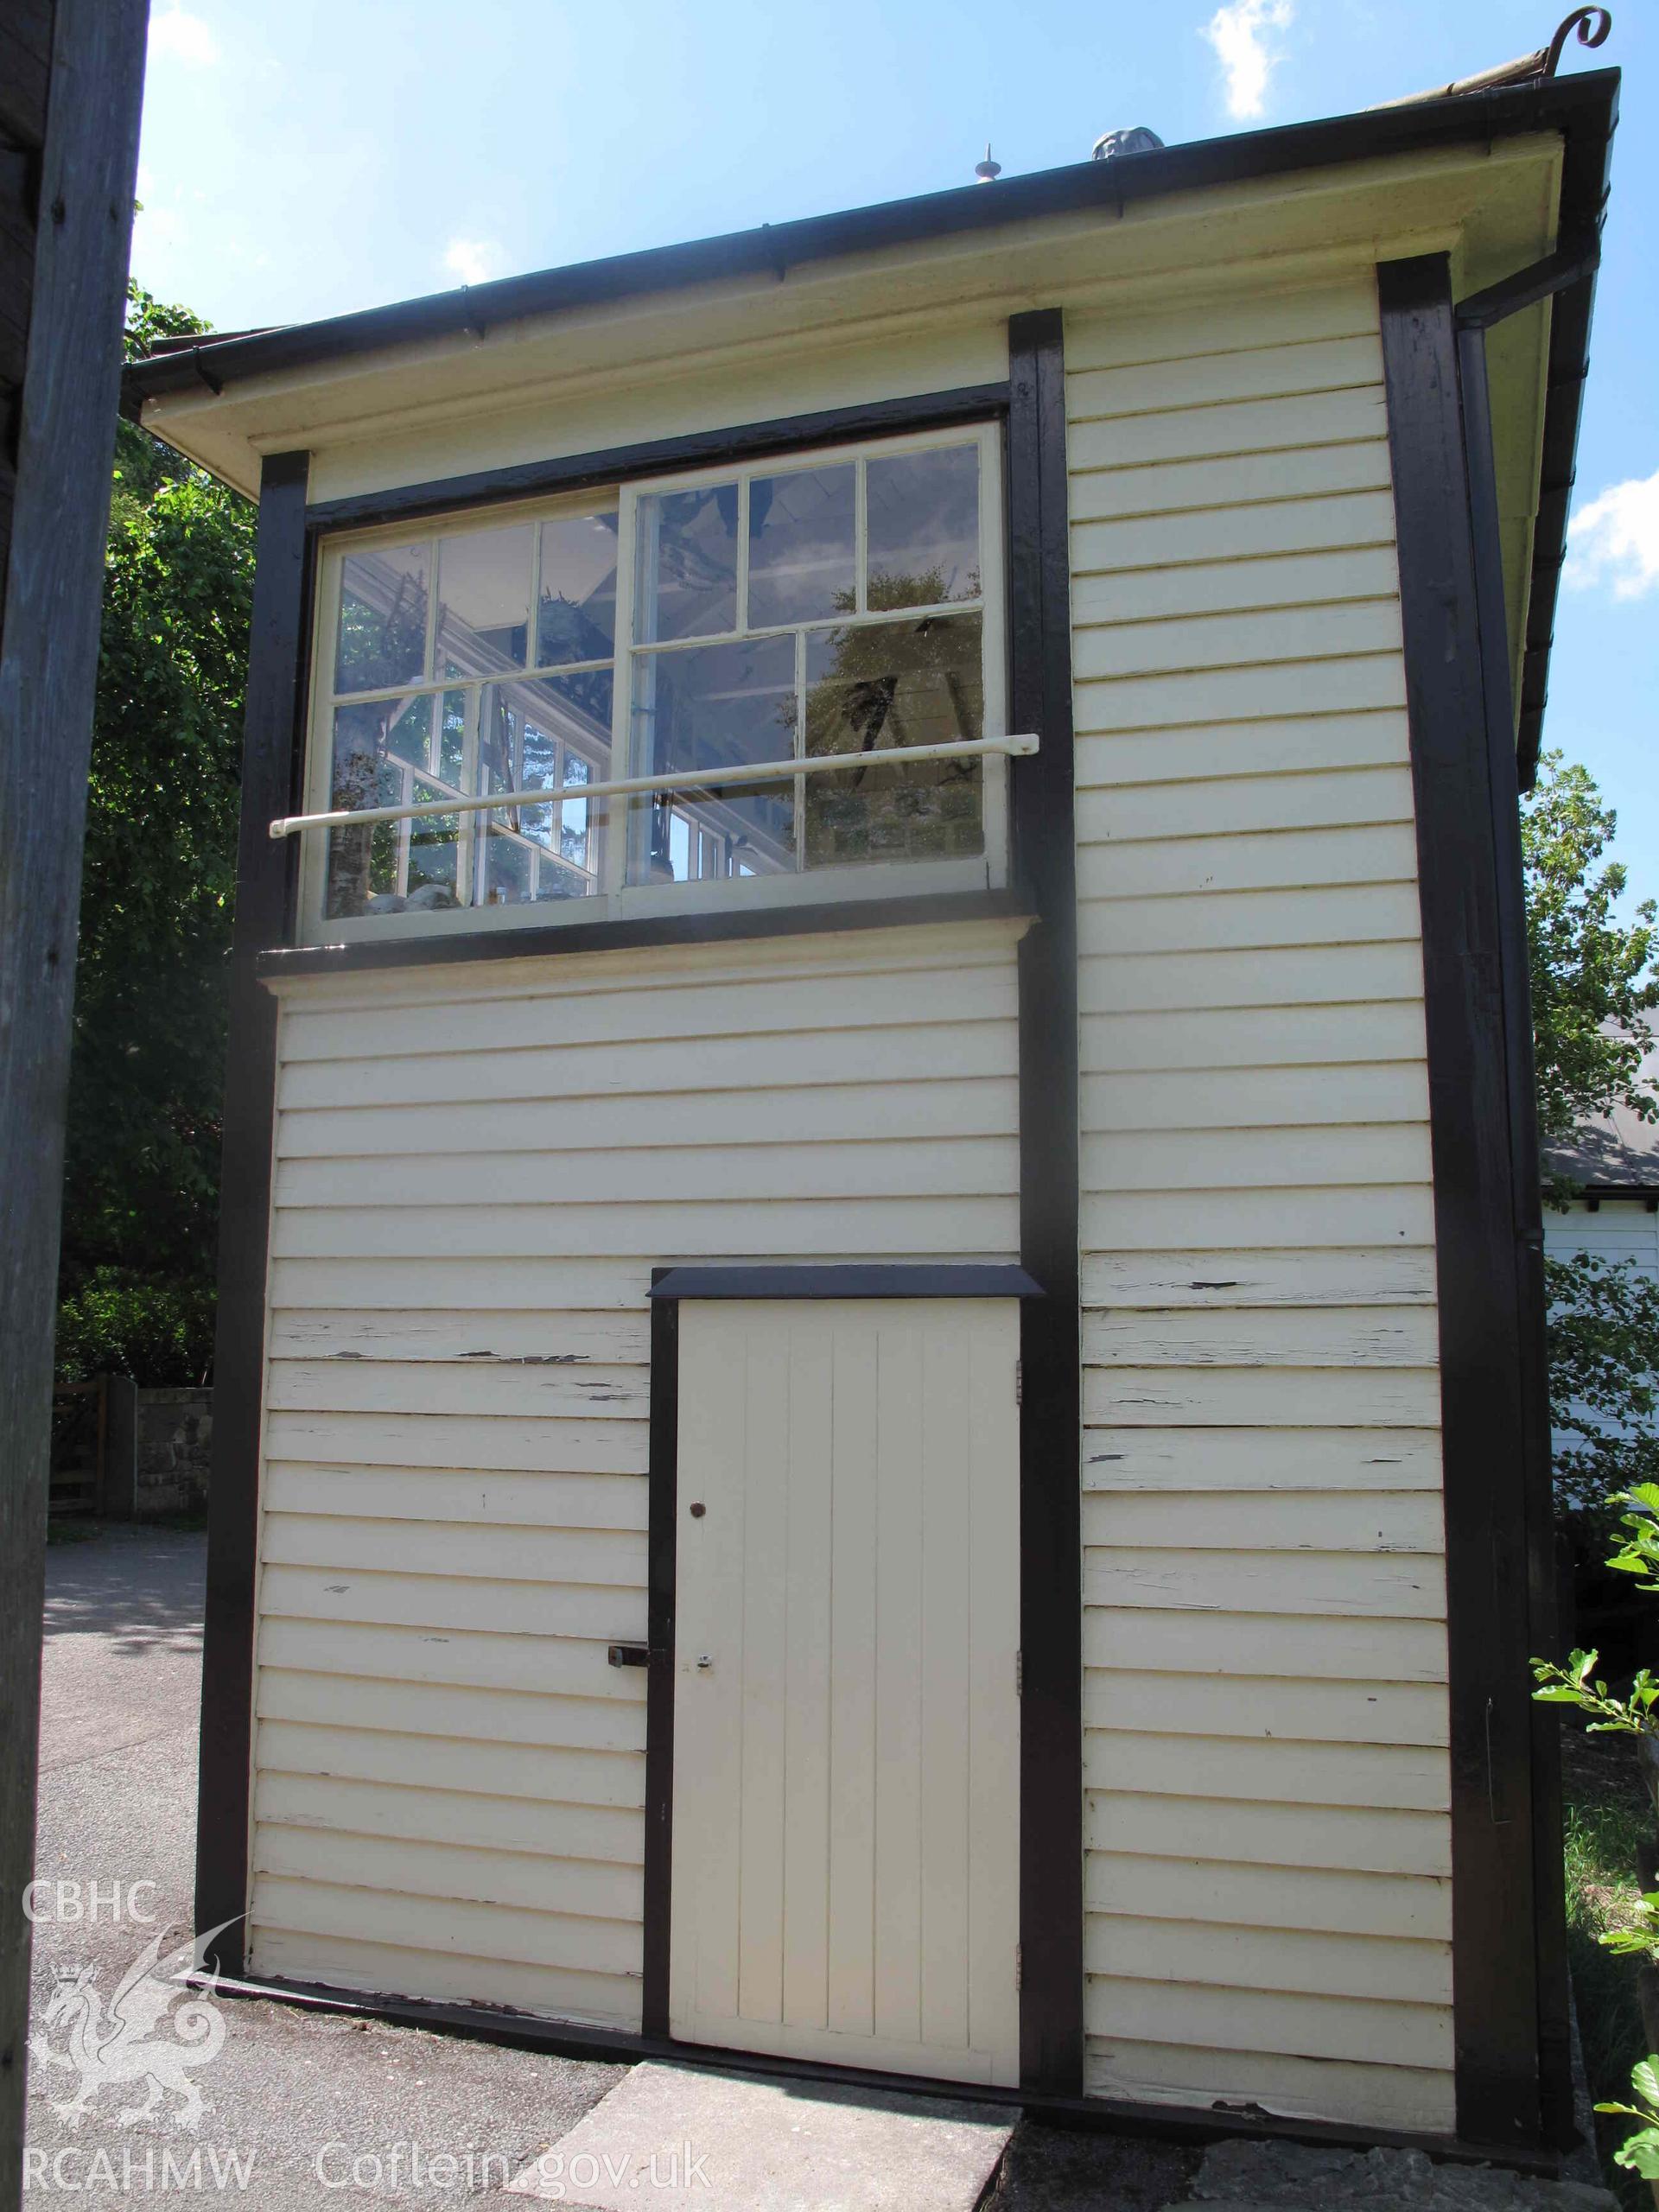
x: 81, y: 1432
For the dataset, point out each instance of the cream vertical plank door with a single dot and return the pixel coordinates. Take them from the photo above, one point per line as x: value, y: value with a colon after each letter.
x: 845, y: 1856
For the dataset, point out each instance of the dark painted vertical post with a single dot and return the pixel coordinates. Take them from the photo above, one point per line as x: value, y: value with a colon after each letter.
x: 269, y: 753
x: 663, y: 1544
x: 1554, y: 2041
x: 71, y: 83
x: 1483, y: 1425
x: 1051, y: 1578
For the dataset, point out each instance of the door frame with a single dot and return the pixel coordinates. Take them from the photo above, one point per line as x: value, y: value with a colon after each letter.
x: 772, y: 1282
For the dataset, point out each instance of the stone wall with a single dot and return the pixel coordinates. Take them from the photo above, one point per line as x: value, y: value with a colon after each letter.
x: 174, y: 1433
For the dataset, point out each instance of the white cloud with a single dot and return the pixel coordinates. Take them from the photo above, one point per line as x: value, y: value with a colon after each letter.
x: 1616, y: 539
x: 175, y: 31
x: 473, y: 260
x: 1236, y: 33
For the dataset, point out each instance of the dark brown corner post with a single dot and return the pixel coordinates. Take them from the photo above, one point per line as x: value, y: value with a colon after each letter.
x: 1050, y: 1555
x: 1468, y: 1005
x: 1505, y: 767
x: 270, y: 757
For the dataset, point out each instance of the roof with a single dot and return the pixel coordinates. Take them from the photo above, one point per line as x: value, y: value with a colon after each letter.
x: 1582, y: 109
x: 1614, y: 1153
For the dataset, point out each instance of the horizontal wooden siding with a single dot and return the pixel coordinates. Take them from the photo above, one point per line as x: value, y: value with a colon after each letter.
x: 1265, y: 1704
x: 476, y: 1170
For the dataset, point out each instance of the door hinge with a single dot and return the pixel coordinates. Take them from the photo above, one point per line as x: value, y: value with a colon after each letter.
x: 1019, y: 1964
x: 1019, y: 1382
x: 1019, y: 1674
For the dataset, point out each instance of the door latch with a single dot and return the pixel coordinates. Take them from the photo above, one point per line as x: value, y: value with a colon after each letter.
x: 630, y: 1655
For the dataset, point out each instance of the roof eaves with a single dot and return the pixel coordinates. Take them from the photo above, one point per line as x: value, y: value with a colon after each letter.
x: 1575, y: 106
x: 1588, y: 142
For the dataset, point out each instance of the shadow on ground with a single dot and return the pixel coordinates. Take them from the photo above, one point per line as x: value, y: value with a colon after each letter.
x: 1065, y: 2170
x: 139, y: 1589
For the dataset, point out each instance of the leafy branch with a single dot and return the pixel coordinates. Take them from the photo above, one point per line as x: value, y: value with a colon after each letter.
x: 1640, y: 2152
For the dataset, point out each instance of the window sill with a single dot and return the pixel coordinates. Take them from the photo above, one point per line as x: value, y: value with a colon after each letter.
x: 707, y: 927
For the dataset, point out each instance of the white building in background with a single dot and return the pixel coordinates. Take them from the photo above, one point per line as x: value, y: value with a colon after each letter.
x: 1615, y: 1159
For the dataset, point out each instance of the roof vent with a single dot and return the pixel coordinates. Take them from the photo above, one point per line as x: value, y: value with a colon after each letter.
x: 1136, y: 140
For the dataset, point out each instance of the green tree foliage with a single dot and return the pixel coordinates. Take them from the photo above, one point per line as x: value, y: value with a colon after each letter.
x: 146, y: 1078
x: 158, y: 1329
x: 1636, y: 1552
x: 1595, y: 978
x: 1603, y: 1378
x: 1640, y: 2152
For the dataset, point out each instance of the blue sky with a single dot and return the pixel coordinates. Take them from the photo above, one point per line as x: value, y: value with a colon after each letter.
x: 303, y: 160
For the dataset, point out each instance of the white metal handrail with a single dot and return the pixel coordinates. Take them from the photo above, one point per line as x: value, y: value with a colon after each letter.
x: 692, y: 780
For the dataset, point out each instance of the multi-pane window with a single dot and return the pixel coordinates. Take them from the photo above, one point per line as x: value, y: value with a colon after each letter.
x: 794, y: 612
x: 463, y: 662
x: 841, y: 606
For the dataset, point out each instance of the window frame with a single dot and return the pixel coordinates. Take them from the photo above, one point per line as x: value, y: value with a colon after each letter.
x: 616, y: 900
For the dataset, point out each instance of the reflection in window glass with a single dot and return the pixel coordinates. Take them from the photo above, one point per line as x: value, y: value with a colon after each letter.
x: 577, y: 707
x: 876, y: 686
x: 434, y: 873
x: 923, y: 527
x: 362, y: 740
x: 409, y: 731
x: 381, y: 637
x: 552, y: 733
x: 803, y: 550
x: 575, y: 617
x: 573, y: 814
x: 509, y: 867
x: 554, y: 880
x: 483, y: 600
x: 452, y: 739
x: 363, y: 865
x: 708, y: 706
x: 500, y: 739
x: 687, y: 563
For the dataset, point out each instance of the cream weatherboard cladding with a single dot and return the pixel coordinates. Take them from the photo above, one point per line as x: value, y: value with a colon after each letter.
x: 1265, y: 1706
x: 448, y: 1776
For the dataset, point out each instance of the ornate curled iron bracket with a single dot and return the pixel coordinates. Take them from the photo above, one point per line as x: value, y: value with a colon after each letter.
x: 1591, y: 24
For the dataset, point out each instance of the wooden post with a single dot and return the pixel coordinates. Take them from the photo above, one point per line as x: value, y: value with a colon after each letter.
x: 262, y: 879
x: 1051, y: 1410
x: 71, y: 81
x: 1495, y: 1955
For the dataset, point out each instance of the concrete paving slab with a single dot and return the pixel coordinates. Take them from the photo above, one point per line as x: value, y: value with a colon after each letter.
x: 673, y: 2137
